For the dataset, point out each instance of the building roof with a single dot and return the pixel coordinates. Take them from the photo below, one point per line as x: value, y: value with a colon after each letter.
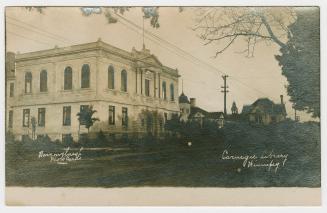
x: 266, y: 106
x: 215, y: 115
x: 246, y: 109
x: 210, y: 115
x: 195, y: 110
x: 183, y: 99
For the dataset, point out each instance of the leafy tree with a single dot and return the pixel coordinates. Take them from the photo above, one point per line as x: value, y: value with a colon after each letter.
x: 173, y: 124
x: 85, y: 117
x: 300, y: 62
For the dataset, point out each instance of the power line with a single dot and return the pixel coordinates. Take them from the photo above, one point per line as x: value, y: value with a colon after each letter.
x: 42, y: 30
x: 159, y: 44
x: 36, y: 31
x: 180, y: 52
x: 176, y: 53
x: 171, y: 44
x: 188, y: 54
x: 201, y: 83
x: 37, y: 41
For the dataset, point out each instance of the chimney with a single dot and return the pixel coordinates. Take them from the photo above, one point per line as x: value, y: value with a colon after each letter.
x: 281, y: 99
x: 193, y: 102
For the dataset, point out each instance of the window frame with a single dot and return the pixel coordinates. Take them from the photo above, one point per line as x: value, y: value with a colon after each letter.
x: 66, y: 118
x: 68, y: 82
x: 124, y: 77
x: 85, y: 76
x: 41, y: 114
x: 111, y: 77
x: 11, y: 89
x: 11, y: 119
x: 172, y: 92
x: 28, y: 82
x: 147, y: 87
x: 43, y: 81
x: 164, y: 90
x: 112, y: 116
x: 26, y: 112
x: 81, y: 108
x: 124, y: 116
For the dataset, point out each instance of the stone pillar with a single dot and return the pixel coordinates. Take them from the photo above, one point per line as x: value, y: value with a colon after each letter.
x: 159, y: 86
x: 136, y: 71
x: 154, y: 85
x: 141, y: 82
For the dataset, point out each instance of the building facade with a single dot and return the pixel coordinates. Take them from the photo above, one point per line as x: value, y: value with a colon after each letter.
x: 127, y: 89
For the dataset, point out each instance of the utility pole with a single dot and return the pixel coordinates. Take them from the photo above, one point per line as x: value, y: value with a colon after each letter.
x: 225, y: 91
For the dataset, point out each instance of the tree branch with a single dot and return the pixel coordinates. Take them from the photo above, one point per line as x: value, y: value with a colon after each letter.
x: 272, y: 35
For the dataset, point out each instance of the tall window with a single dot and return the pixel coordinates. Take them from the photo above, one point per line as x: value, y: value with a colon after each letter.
x: 10, y: 118
x: 147, y: 87
x: 111, y: 77
x: 172, y: 92
x: 164, y: 91
x: 85, y: 81
x: 68, y: 78
x: 43, y: 81
x: 28, y: 82
x: 41, y: 117
x: 124, y: 81
x: 111, y: 115
x: 83, y: 109
x: 11, y: 90
x: 26, y: 117
x: 124, y: 117
x: 66, y: 116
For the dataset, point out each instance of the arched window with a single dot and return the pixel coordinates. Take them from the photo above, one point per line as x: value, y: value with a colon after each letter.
x: 85, y: 76
x: 164, y: 90
x: 28, y: 82
x: 68, y: 78
x: 124, y: 81
x: 111, y: 77
x: 43, y: 81
x: 172, y: 95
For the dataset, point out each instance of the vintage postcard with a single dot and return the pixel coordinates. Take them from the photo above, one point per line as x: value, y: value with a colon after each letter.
x: 162, y: 105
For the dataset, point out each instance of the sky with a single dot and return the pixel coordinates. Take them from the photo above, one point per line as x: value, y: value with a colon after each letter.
x: 249, y: 78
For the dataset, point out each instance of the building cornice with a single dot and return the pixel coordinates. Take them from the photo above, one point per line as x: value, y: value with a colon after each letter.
x: 88, y: 47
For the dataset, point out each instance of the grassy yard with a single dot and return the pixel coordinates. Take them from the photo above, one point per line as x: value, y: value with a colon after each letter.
x: 174, y: 163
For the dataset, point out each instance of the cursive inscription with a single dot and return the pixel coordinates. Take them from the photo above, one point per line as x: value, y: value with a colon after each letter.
x: 62, y: 157
x: 270, y: 160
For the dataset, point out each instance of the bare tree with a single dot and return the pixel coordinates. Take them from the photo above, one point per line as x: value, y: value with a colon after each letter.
x: 224, y: 26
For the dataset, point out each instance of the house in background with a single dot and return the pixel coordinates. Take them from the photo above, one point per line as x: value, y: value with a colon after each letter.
x: 189, y: 112
x: 264, y: 111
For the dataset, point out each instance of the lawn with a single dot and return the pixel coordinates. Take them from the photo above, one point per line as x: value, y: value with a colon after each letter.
x: 175, y: 163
